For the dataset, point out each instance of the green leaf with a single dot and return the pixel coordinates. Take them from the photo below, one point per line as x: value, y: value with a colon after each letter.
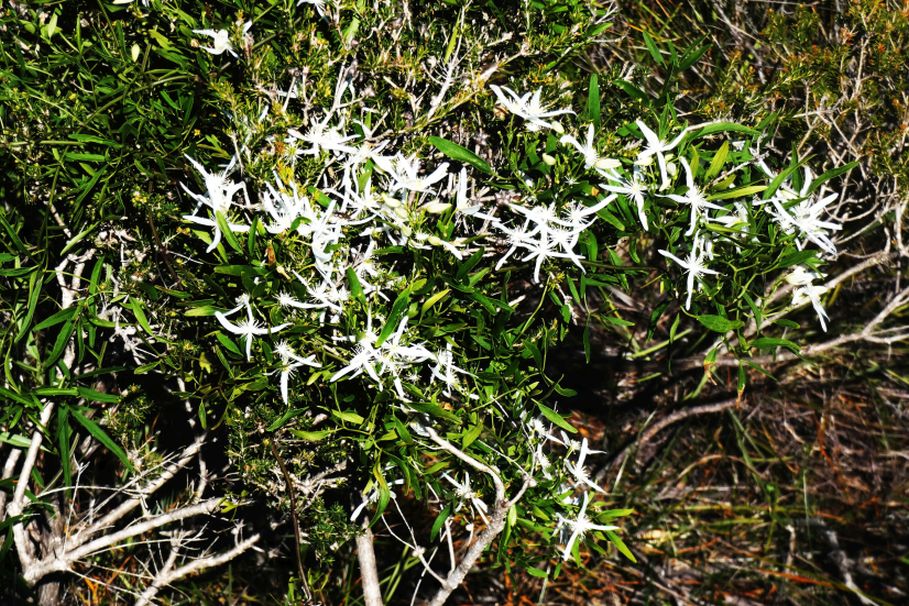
x: 631, y: 90
x: 741, y: 192
x: 471, y: 435
x: 537, y: 572
x: 200, y: 311
x: 15, y: 440
x: 228, y: 343
x: 799, y: 257
x: 64, y: 432
x: 719, y: 158
x: 356, y: 288
x: 348, y: 416
x: 719, y: 323
x: 136, y: 306
x: 311, y: 436
x: 227, y: 234
x: 555, y: 418
x: 593, y: 100
x: 723, y: 127
x: 61, y: 316
x: 435, y: 298
x: 831, y: 174
x: 97, y: 396
x: 620, y: 545
x: 99, y: 434
x: 652, y: 49
x: 397, y: 310
x: 34, y: 291
x: 439, y: 522
x: 461, y: 154
x: 773, y: 343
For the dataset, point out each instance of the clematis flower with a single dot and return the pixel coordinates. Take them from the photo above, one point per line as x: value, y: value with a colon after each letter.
x: 633, y: 188
x: 694, y: 266
x: 657, y: 147
x: 579, y: 470
x: 220, y: 41
x: 579, y: 526
x: 219, y: 195
x: 321, y: 138
x: 804, y: 217
x: 465, y: 493
x: 405, y: 173
x: 290, y: 362
x: 592, y: 159
x: 248, y: 328
x: 693, y: 197
x: 529, y: 107
x: 806, y: 291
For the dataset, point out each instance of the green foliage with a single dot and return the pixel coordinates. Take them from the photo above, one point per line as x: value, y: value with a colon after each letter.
x: 339, y: 240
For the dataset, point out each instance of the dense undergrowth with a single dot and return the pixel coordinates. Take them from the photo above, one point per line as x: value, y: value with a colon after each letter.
x: 276, y: 273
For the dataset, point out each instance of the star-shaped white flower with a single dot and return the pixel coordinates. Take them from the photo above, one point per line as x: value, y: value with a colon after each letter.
x: 657, y: 147
x: 248, y: 328
x: 579, y: 471
x: 633, y: 188
x: 529, y: 107
x: 404, y: 172
x: 579, y: 526
x: 806, y: 291
x: 694, y: 198
x: 220, y: 41
x: 219, y: 196
x: 290, y: 362
x: 694, y: 266
x: 592, y: 158
x: 804, y: 217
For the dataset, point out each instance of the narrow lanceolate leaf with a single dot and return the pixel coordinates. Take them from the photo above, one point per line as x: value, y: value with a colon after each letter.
x: 773, y: 343
x: 593, y: 100
x: 555, y: 418
x: 719, y: 158
x: 719, y: 323
x: 397, y: 310
x: 99, y: 434
x: 741, y: 192
x: 461, y: 154
x: 831, y: 174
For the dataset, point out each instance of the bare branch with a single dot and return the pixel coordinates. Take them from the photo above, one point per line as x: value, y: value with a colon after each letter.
x: 366, y: 555
x: 168, y: 576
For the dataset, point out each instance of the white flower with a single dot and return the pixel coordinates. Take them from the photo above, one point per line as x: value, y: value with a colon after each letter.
x: 633, y: 188
x: 579, y: 471
x: 657, y: 147
x: 546, y: 235
x: 391, y: 357
x: 694, y: 266
x: 219, y: 195
x: 321, y: 139
x: 220, y: 41
x: 804, y: 217
x: 529, y: 107
x: 579, y: 526
x: 290, y: 361
x: 805, y: 291
x: 592, y: 159
x: 694, y: 198
x: 465, y: 493
x: 445, y: 370
x: 247, y: 328
x: 405, y: 173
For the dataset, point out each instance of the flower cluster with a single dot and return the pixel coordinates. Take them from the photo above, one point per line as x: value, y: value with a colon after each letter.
x: 356, y: 213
